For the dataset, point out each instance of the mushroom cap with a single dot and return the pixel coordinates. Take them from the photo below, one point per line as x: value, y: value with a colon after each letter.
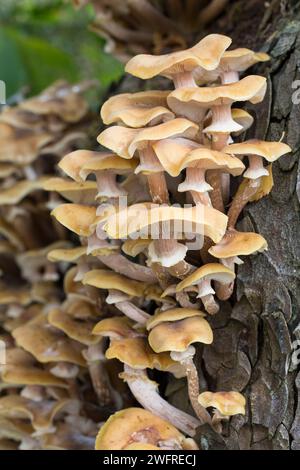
x: 227, y: 403
x: 47, y: 345
x: 210, y: 271
x: 137, y: 109
x: 41, y: 414
x: 206, y: 54
x: 187, y: 156
x: 138, y: 217
x: 243, y: 118
x: 235, y: 60
x: 20, y: 190
x: 173, y: 314
x: 179, y: 335
x: 135, y: 247
x: 115, y: 328
x: 72, y: 163
x: 270, y: 151
x: 237, y: 243
x: 72, y: 327
x: 68, y: 255
x: 125, y: 141
x: 108, y: 162
x: 105, y: 279
x: 77, y: 218
x: 120, y: 430
x: 71, y: 190
x: 251, y: 88
x: 141, y: 446
x: 136, y: 353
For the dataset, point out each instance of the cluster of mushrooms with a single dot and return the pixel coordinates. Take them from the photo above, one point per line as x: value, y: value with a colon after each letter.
x: 150, y: 260
x: 37, y: 385
x: 133, y: 27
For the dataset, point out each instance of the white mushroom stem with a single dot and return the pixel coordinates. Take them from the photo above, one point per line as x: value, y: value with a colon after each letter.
x: 256, y: 168
x: 170, y: 254
x: 133, y: 312
x: 206, y: 294
x: 145, y: 392
x: 240, y: 200
x: 229, y: 76
x: 222, y: 122
x: 184, y: 79
x: 107, y: 184
x: 185, y: 358
x: 156, y: 180
x: 224, y: 291
x: 122, y: 265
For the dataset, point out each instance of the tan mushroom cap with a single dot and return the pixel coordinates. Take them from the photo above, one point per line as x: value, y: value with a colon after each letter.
x: 105, y: 279
x: 21, y: 146
x: 227, y: 403
x: 270, y: 151
x: 210, y: 271
x: 206, y: 54
x: 112, y: 163
x: 74, y: 328
x: 41, y: 414
x: 20, y: 190
x: 59, y: 100
x: 125, y: 141
x: 115, y: 328
x: 77, y: 218
x: 72, y: 163
x: 179, y: 335
x: 68, y: 255
x: 242, y: 117
x: 71, y: 190
x: 18, y: 296
x: 123, y: 427
x: 137, y: 109
x: 7, y: 169
x: 135, y: 247
x: 235, y: 60
x: 173, y: 314
x: 189, y: 157
x: 136, y: 353
x: 47, y: 345
x: 251, y: 88
x: 138, y: 217
x: 237, y: 243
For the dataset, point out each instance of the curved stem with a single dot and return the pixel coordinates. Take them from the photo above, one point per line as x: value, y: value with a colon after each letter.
x: 122, y: 265
x: 145, y: 392
x: 133, y: 312
x: 240, y: 200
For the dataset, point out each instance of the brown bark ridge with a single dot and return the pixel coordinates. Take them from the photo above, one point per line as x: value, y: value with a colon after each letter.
x: 255, y: 349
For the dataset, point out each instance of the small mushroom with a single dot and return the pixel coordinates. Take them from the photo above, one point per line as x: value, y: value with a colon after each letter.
x: 226, y: 404
x: 202, y: 278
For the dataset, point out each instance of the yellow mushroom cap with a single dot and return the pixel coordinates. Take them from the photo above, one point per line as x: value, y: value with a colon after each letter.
x: 136, y: 353
x: 173, y: 314
x: 237, y: 243
x: 271, y: 151
x: 210, y: 271
x: 110, y: 162
x: 251, y: 88
x: 242, y: 117
x: 20, y: 190
x: 205, y: 54
x: 68, y: 255
x: 71, y: 190
x: 72, y: 327
x: 179, y: 335
x: 125, y: 141
x: 77, y: 218
x: 137, y: 109
x: 116, y: 327
x: 123, y: 427
x: 72, y: 163
x: 138, y: 217
x: 227, y: 403
x: 105, y: 279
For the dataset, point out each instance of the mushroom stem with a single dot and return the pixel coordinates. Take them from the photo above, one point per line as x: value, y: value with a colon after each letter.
x: 230, y: 76
x: 217, y: 421
x: 156, y: 180
x: 256, y: 168
x: 145, y: 392
x: 184, y: 79
x: 240, y: 200
x: 169, y: 253
x: 185, y: 358
x: 206, y: 294
x: 107, y: 184
x: 224, y: 291
x: 122, y: 265
x: 133, y: 312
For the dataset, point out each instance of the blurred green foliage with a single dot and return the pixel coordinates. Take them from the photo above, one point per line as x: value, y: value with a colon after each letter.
x: 45, y: 40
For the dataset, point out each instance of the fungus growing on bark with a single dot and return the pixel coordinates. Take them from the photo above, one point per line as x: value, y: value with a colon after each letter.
x: 225, y: 404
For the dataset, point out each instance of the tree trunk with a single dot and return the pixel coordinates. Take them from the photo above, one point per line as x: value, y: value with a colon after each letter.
x: 255, y: 336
